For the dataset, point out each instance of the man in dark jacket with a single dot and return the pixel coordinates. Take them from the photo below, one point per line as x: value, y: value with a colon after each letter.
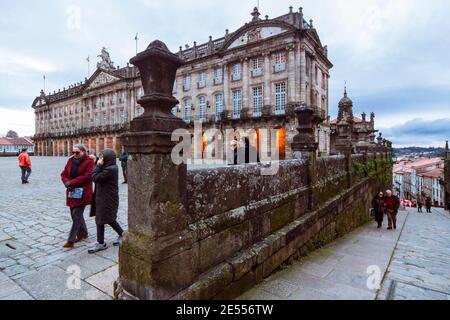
x: 392, y: 205
x: 428, y: 204
x: 246, y: 154
x: 77, y: 178
x: 379, y: 206
x: 105, y: 203
x: 124, y: 163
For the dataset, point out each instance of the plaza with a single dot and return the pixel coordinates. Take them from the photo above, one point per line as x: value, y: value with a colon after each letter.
x: 34, y: 223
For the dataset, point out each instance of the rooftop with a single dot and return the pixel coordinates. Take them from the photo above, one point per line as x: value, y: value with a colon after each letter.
x: 15, y: 142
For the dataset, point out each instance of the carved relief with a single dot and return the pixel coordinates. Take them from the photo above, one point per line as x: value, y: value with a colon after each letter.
x: 254, y: 35
x: 102, y: 79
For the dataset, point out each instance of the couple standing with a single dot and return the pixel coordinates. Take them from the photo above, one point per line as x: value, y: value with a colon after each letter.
x: 388, y: 205
x: 78, y: 175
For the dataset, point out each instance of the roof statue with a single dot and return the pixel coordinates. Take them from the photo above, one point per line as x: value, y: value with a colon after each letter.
x: 106, y: 62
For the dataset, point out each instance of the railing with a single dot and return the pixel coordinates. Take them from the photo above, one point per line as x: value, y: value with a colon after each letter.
x: 201, y: 84
x: 257, y: 72
x: 236, y: 76
x: 218, y: 81
x: 279, y: 67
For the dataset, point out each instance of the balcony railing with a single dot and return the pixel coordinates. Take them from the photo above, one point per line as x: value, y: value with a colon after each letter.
x: 279, y: 67
x: 257, y: 72
x: 236, y: 76
x: 186, y: 87
x: 201, y: 84
x: 218, y: 81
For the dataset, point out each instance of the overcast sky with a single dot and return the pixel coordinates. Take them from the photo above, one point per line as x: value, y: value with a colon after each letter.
x: 394, y: 54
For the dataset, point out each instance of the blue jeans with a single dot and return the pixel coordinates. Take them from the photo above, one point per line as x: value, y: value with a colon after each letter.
x: 26, y: 172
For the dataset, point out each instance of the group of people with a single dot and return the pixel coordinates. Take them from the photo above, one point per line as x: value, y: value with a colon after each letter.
x: 386, y: 204
x: 243, y: 152
x: 78, y: 176
x: 82, y: 170
x: 428, y: 204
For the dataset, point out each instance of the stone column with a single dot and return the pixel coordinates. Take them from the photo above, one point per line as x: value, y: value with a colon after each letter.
x: 303, y: 74
x: 226, y: 88
x: 156, y: 259
x: 267, y: 80
x: 291, y: 74
x: 245, y: 88
x: 305, y: 147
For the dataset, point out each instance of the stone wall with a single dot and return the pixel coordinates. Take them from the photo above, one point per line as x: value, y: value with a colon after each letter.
x: 214, y: 233
x: 243, y: 225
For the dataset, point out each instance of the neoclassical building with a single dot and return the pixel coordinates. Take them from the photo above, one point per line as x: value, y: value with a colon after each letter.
x: 252, y: 78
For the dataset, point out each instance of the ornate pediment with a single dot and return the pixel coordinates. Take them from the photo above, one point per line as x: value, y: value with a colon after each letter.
x: 102, y: 79
x: 257, y: 34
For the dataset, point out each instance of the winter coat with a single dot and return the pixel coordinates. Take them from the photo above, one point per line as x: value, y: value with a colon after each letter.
x: 24, y: 160
x: 83, y: 179
x: 124, y: 159
x: 396, y: 203
x: 105, y: 203
x: 379, y: 206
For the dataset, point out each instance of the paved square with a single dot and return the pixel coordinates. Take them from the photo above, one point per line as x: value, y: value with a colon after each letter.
x: 34, y: 224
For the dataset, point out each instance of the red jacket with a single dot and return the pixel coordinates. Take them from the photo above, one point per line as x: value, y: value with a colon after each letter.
x: 84, y: 180
x: 24, y: 160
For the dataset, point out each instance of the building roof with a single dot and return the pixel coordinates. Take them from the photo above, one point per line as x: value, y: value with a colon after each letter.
x: 355, y: 120
x: 436, y: 173
x: 423, y: 163
x: 15, y: 142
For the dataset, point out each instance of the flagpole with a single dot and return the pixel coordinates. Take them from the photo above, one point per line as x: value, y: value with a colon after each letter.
x: 44, y: 83
x: 137, y: 39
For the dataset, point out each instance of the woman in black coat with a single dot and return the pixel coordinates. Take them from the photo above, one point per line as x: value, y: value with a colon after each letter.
x: 105, y: 202
x: 379, y: 207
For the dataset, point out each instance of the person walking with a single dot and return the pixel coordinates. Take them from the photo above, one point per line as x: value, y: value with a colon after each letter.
x: 25, y: 165
x: 428, y: 204
x: 419, y: 204
x: 77, y: 178
x: 379, y: 207
x: 392, y: 205
x: 124, y: 163
x: 105, y: 203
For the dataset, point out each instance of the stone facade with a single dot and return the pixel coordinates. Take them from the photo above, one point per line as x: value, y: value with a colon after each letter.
x: 362, y: 131
x: 253, y: 78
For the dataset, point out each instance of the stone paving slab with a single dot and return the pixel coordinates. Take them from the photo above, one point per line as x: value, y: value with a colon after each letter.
x: 35, y: 220
x: 420, y: 267
x: 104, y: 280
x: 337, y: 271
x: 52, y: 284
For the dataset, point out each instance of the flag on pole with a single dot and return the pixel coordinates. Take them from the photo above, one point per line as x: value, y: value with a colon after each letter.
x: 136, y: 38
x: 88, y: 59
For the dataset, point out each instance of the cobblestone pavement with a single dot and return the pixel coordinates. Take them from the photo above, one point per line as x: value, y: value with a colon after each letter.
x: 413, y: 262
x: 34, y: 224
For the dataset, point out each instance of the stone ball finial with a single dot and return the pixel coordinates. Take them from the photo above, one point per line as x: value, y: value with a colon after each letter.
x: 300, y: 10
x: 311, y: 23
x: 290, y: 9
x: 267, y: 17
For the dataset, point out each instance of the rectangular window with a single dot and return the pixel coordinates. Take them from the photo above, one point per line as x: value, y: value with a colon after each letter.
x: 97, y: 120
x: 187, y: 110
x: 186, y: 83
x: 105, y: 122
x: 113, y: 98
x: 113, y: 117
x: 257, y: 101
x: 257, y: 67
x: 219, y: 103
x: 174, y: 89
x: 122, y: 116
x: 103, y: 101
x: 202, y: 107
x: 237, y: 103
x: 201, y: 80
x: 280, y: 61
x: 280, y: 98
x: 236, y: 72
x: 218, y: 76
x: 122, y: 97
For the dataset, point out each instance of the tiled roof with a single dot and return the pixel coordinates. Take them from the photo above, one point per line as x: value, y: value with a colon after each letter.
x: 15, y: 142
x: 436, y: 173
